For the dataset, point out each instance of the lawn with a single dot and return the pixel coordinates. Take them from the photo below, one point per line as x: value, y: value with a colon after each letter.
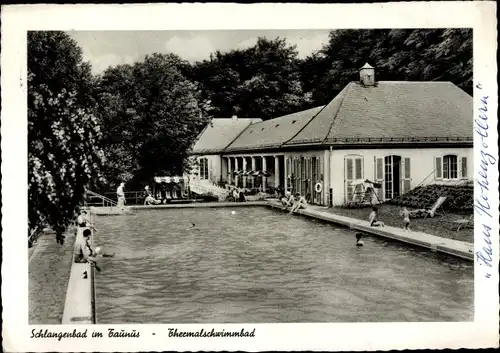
x: 442, y: 226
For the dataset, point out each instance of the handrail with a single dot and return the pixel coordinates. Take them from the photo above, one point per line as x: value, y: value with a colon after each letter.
x: 426, y: 178
x: 34, y: 234
x: 103, y: 198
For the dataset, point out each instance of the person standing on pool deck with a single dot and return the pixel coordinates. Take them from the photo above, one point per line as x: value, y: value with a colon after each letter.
x: 373, y: 219
x: 406, y: 218
x: 121, y: 195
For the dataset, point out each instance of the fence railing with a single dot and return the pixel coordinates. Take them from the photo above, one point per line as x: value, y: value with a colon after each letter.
x: 201, y: 189
x: 103, y: 200
x: 131, y: 197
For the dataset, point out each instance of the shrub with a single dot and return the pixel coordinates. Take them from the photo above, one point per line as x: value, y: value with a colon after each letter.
x: 458, y: 197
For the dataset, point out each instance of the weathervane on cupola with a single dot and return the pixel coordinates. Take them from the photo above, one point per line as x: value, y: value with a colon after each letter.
x: 367, y: 75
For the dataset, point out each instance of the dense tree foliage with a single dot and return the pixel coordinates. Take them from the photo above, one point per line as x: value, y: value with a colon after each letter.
x: 151, y: 114
x: 63, y: 132
x: 398, y: 55
x: 262, y: 81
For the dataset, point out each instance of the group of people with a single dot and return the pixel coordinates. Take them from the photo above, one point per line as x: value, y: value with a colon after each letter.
x: 374, y: 222
x: 84, y: 252
x: 295, y: 202
x: 150, y: 200
x: 238, y: 196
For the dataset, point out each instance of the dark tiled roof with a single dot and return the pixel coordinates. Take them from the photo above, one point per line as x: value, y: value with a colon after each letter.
x: 219, y: 133
x: 392, y: 110
x: 273, y: 132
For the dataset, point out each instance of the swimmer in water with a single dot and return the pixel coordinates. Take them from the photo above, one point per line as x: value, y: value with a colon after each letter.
x: 359, y: 242
x: 193, y: 226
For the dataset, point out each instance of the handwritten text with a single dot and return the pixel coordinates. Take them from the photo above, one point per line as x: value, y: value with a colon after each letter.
x: 482, y: 206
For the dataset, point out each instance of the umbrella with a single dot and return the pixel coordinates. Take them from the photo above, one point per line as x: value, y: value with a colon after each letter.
x: 168, y: 179
x: 237, y: 172
x: 249, y: 173
x: 263, y: 173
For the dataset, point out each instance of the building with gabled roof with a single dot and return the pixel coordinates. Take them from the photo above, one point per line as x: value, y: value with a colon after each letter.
x: 395, y: 134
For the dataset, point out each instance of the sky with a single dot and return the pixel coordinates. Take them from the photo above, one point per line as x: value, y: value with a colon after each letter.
x: 109, y: 48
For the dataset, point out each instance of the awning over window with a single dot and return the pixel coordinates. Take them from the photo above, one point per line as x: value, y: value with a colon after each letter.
x: 168, y: 179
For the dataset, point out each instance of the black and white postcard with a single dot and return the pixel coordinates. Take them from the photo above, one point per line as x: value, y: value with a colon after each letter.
x: 260, y: 177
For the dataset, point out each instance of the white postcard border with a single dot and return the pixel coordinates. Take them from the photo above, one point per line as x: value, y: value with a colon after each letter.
x: 17, y: 20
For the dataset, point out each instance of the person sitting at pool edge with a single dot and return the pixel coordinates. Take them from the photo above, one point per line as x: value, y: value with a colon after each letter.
x: 287, y: 200
x: 82, y: 220
x: 299, y: 202
x: 150, y: 200
x: 236, y: 195
x: 83, y: 250
x: 373, y: 219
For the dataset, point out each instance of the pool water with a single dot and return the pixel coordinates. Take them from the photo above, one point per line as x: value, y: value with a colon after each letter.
x: 265, y: 266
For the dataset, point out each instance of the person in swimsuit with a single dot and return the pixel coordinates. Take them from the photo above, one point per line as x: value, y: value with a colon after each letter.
x: 373, y: 219
x: 83, y: 250
x: 359, y: 242
x: 150, y: 200
x: 298, y: 203
x: 287, y: 200
x: 406, y: 218
x: 82, y: 220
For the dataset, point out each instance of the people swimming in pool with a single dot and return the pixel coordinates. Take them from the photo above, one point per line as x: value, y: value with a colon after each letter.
x: 298, y: 203
x: 373, y: 219
x: 359, y: 242
x: 193, y: 227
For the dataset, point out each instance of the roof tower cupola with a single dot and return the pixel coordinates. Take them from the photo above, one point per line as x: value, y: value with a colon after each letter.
x: 367, y: 75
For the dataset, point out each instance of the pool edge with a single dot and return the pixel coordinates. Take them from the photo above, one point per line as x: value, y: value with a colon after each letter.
x: 433, y: 243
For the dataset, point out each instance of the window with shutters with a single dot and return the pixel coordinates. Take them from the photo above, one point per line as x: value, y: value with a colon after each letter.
x: 450, y: 167
x: 463, y: 171
x: 358, y: 168
x: 203, y: 168
x: 314, y: 171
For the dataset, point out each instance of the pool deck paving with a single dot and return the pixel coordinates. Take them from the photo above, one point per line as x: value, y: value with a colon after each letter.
x: 444, y: 245
x: 49, y: 266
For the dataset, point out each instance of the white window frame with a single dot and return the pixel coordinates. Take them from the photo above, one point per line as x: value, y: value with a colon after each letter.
x: 203, y: 161
x: 459, y: 161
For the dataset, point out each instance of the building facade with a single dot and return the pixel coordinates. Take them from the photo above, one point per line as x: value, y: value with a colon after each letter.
x: 397, y: 134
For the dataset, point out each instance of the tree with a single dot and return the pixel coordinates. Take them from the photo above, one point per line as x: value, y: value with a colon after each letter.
x: 152, y: 114
x: 398, y: 54
x: 262, y: 81
x: 63, y: 132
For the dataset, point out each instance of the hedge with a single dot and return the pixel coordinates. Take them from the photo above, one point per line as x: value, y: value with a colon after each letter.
x: 458, y: 197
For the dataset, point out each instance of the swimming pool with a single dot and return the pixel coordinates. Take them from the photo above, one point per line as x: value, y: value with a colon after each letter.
x: 265, y: 266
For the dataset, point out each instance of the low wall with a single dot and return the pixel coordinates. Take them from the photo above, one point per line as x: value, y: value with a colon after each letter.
x: 79, y: 307
x: 202, y: 205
